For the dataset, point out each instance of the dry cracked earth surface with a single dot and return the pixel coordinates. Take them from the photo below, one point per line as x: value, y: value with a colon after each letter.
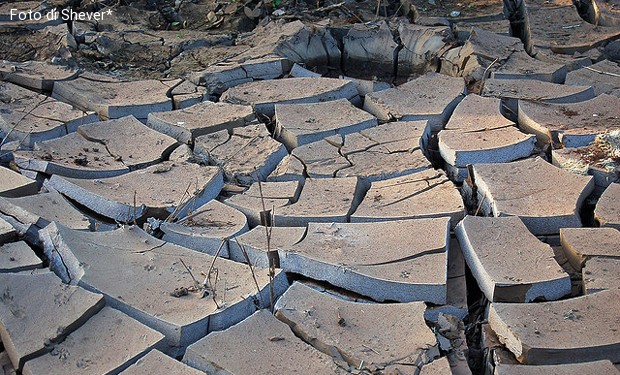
x: 228, y: 187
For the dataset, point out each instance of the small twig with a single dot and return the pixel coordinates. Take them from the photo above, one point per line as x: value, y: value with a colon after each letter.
x: 329, y: 7
x: 247, y: 259
x: 19, y: 144
x: 192, y: 216
x: 217, y: 254
x: 207, y: 281
x: 214, y: 285
x: 484, y: 74
x: 602, y: 72
x: 397, y: 10
x: 225, y: 288
x: 178, y: 207
x: 6, y: 137
x: 197, y: 284
x: 352, y: 13
x: 273, y: 258
x: 135, y: 193
x: 484, y: 195
x: 369, y: 348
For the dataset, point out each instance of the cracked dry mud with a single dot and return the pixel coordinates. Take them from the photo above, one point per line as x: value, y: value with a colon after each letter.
x: 334, y: 197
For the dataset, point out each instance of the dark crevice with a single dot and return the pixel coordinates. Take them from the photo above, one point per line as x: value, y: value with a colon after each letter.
x: 151, y: 249
x: 586, y: 212
x: 440, y: 250
x: 62, y: 261
x: 304, y: 165
x: 477, y: 306
x: 515, y: 11
x: 400, y: 46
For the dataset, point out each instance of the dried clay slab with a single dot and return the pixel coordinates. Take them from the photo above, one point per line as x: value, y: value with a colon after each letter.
x: 256, y: 340
x: 148, y: 279
x: 575, y: 330
x: 509, y: 263
x: 401, y: 334
x: 545, y: 197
